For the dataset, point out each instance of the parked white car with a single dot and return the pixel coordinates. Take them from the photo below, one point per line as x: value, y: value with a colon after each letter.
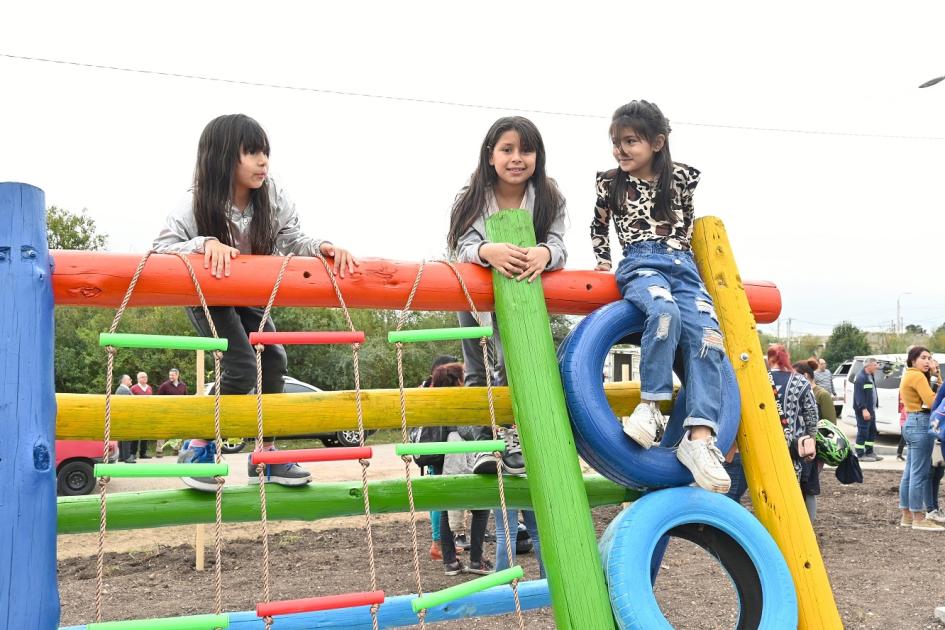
x: 887, y: 379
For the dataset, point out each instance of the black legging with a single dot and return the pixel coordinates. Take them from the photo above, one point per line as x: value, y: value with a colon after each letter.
x: 234, y: 323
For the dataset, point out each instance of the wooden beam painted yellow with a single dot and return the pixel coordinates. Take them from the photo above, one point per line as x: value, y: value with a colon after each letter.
x: 81, y: 416
x: 775, y: 493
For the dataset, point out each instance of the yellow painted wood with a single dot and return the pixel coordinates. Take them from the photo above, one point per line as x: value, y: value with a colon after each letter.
x: 81, y: 416
x: 775, y: 492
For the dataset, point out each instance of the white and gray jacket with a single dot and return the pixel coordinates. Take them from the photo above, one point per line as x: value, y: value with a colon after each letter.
x: 180, y: 233
x: 467, y: 250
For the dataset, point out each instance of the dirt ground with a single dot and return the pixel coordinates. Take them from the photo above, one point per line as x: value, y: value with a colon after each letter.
x: 883, y: 577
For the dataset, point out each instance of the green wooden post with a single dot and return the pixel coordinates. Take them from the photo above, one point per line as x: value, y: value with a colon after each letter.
x: 568, y: 542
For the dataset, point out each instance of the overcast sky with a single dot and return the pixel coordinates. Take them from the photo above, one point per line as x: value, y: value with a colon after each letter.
x: 844, y: 222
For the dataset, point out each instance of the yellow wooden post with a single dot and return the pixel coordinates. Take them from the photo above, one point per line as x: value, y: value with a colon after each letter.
x: 775, y: 492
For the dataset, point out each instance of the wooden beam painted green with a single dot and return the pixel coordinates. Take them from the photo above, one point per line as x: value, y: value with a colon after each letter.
x: 579, y: 595
x: 158, y: 508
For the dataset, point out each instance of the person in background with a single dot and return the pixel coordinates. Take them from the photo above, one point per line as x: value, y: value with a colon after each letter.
x: 798, y: 411
x: 173, y: 386
x: 126, y: 448
x: 917, y: 396
x: 825, y: 408
x: 141, y: 388
x: 824, y: 377
x: 865, y: 401
x: 435, y: 552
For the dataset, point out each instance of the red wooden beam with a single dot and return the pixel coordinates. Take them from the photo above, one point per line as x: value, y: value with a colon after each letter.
x: 82, y: 278
x: 305, y: 338
x: 312, y: 455
x: 329, y: 602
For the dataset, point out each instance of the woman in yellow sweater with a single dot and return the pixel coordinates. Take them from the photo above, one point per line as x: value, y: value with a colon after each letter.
x: 917, y: 397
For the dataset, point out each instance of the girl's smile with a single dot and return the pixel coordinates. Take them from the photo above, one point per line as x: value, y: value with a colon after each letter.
x: 513, y: 164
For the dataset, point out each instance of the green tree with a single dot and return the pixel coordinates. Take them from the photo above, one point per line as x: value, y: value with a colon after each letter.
x: 805, y: 347
x: 70, y: 230
x: 937, y: 339
x: 915, y: 329
x: 845, y: 342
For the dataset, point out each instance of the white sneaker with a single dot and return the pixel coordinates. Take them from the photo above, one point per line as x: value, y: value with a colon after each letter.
x: 936, y: 515
x: 704, y: 460
x: 645, y: 424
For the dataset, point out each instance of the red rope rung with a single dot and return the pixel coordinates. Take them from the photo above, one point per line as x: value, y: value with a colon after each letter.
x: 329, y: 602
x: 312, y: 455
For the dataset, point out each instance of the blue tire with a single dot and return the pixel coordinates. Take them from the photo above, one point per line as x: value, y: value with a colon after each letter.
x: 598, y: 434
x: 719, y: 525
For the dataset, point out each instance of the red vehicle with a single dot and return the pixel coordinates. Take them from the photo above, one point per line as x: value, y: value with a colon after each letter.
x: 75, y: 461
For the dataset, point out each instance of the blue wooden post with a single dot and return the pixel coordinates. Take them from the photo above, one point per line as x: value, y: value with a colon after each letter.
x: 29, y: 596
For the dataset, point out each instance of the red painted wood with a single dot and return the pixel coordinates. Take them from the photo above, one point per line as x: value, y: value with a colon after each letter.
x: 329, y: 602
x: 83, y: 278
x: 305, y: 338
x: 312, y: 455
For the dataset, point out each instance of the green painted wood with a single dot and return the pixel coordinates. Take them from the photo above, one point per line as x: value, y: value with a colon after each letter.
x: 161, y: 342
x: 157, y: 508
x: 445, y: 448
x: 568, y: 542
x: 194, y: 622
x: 466, y: 589
x: 439, y: 334
x: 142, y: 471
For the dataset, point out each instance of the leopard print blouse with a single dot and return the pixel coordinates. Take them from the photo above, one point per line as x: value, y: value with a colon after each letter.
x: 634, y: 221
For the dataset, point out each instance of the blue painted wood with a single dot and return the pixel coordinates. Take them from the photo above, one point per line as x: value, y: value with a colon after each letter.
x: 396, y: 611
x: 29, y: 595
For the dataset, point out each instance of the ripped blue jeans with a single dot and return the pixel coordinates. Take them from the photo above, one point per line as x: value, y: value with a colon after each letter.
x: 665, y: 284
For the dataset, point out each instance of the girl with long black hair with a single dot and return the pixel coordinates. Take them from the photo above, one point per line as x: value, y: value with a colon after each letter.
x: 235, y: 208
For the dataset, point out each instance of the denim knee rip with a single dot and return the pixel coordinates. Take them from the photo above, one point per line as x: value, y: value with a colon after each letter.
x: 711, y: 338
x: 662, y: 330
x: 705, y: 306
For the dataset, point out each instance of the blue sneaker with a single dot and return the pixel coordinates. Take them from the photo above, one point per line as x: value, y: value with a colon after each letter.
x: 199, y: 455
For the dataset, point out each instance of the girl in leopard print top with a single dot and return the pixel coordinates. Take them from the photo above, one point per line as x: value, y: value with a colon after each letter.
x: 650, y: 199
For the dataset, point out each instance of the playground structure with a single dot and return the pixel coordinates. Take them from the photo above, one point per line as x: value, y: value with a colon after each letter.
x: 559, y: 494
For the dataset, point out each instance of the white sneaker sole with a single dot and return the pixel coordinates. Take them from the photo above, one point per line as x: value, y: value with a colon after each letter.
x: 282, y: 481
x: 702, y: 480
x: 638, y: 434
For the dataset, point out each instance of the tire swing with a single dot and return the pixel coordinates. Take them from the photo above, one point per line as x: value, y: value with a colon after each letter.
x: 727, y: 531
x: 598, y: 433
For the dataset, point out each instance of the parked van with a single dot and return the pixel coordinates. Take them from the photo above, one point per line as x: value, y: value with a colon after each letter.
x: 887, y: 377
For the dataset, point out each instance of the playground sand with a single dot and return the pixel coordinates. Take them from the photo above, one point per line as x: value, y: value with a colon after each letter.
x: 150, y: 572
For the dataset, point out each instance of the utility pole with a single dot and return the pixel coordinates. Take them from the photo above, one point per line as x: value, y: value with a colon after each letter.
x: 789, y: 335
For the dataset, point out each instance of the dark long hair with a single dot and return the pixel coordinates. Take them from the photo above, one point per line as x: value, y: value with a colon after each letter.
x: 448, y: 375
x: 221, y: 145
x: 648, y: 122
x: 914, y: 353
x: 471, y: 203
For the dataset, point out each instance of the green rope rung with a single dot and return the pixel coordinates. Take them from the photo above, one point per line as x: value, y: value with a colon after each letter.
x: 161, y: 342
x: 161, y: 470
x: 439, y: 334
x: 465, y: 589
x: 446, y: 448
x: 195, y: 622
